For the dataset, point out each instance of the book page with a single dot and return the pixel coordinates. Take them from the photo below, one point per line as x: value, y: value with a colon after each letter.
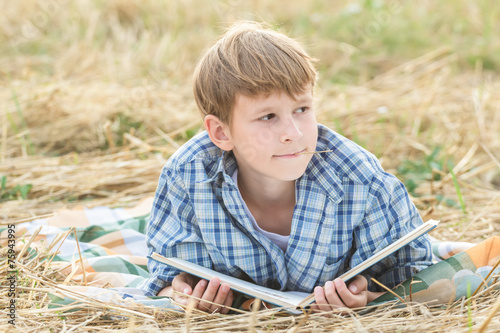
x: 276, y: 297
x: 424, y: 228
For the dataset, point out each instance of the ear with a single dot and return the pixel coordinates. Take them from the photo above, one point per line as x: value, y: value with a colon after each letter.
x: 218, y: 132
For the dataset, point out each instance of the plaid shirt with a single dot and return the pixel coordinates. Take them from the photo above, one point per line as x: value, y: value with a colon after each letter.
x: 347, y: 208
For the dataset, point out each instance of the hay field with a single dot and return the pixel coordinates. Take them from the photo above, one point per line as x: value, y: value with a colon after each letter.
x: 96, y: 95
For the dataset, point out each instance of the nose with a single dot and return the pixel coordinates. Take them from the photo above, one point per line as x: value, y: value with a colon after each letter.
x: 290, y: 131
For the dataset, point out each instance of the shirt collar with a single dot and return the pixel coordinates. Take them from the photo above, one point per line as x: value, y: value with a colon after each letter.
x: 222, y: 169
x: 320, y: 173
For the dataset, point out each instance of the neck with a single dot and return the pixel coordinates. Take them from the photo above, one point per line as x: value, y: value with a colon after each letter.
x: 266, y: 193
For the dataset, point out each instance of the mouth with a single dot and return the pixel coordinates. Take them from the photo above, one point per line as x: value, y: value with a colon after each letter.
x: 296, y: 154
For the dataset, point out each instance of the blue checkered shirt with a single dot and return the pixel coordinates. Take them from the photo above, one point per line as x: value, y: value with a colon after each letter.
x: 347, y: 208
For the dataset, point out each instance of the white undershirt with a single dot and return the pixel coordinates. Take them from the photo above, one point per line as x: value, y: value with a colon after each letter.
x: 280, y: 240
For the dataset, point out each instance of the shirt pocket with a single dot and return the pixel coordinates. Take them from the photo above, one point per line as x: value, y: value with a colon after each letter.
x: 337, y: 262
x: 330, y: 271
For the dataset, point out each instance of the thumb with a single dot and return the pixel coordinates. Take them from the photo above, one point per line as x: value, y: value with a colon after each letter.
x: 358, y: 284
x: 180, y: 285
x: 187, y: 289
x: 180, y: 288
x: 184, y: 288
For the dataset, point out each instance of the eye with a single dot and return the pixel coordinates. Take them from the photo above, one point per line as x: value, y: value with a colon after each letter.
x: 267, y: 117
x: 302, y: 109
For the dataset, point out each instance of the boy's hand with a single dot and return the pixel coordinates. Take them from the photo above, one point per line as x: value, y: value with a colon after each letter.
x: 335, y: 294
x: 208, y: 292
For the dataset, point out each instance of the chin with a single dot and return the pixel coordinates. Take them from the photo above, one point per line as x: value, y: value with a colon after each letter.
x: 292, y: 175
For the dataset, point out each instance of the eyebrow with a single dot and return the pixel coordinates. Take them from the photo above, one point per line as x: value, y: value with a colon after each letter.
x: 265, y: 110
x: 305, y: 99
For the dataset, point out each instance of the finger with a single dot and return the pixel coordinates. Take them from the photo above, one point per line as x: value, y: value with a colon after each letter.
x: 220, y: 298
x: 181, y: 284
x: 183, y: 278
x: 209, y: 294
x: 180, y: 289
x: 331, y: 295
x: 314, y: 306
x: 228, y: 302
x: 181, y: 299
x: 349, y: 299
x: 321, y: 302
x: 358, y: 284
x: 198, y: 291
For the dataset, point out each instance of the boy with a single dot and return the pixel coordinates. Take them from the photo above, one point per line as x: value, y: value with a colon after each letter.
x: 249, y: 198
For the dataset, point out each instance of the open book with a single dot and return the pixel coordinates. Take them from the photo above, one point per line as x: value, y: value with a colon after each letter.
x: 292, y: 300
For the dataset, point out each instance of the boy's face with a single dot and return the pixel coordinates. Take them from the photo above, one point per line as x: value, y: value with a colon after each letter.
x: 267, y: 131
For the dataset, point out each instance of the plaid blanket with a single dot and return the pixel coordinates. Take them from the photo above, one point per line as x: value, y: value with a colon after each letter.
x: 111, y: 243
x: 466, y: 270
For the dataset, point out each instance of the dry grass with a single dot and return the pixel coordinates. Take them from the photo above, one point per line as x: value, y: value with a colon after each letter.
x: 36, y: 281
x: 96, y: 96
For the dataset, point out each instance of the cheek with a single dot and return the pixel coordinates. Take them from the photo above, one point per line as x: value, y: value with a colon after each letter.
x: 315, y: 132
x: 249, y: 153
x: 263, y: 138
x: 257, y: 137
x: 310, y: 129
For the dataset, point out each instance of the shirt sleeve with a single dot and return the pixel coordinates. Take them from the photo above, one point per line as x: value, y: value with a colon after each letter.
x: 390, y: 215
x: 172, y: 232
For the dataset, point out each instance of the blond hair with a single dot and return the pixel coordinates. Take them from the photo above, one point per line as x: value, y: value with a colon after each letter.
x: 250, y: 60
